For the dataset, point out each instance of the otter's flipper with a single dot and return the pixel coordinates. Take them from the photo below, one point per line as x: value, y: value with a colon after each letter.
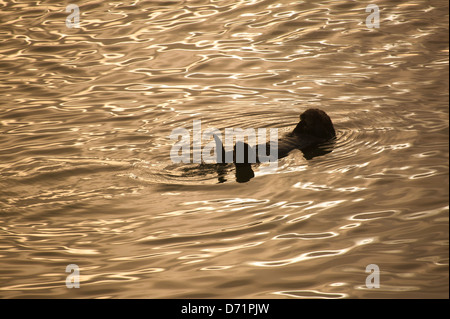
x: 244, y: 170
x: 220, y: 150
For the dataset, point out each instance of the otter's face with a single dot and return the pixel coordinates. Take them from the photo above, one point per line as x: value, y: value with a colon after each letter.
x: 315, y: 122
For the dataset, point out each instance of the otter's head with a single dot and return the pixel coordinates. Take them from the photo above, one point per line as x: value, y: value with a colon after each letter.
x: 315, y: 122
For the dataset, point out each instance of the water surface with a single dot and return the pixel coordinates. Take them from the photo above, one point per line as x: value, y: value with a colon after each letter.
x: 86, y: 176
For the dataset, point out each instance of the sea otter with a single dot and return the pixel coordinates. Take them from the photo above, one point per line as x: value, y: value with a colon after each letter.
x: 314, y: 129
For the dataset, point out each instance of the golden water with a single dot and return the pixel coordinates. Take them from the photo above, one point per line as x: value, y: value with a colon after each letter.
x: 86, y: 177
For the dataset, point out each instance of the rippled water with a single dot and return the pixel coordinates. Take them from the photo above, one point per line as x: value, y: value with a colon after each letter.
x: 86, y: 177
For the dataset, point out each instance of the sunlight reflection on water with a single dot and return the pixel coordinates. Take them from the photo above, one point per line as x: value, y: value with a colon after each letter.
x: 85, y: 170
